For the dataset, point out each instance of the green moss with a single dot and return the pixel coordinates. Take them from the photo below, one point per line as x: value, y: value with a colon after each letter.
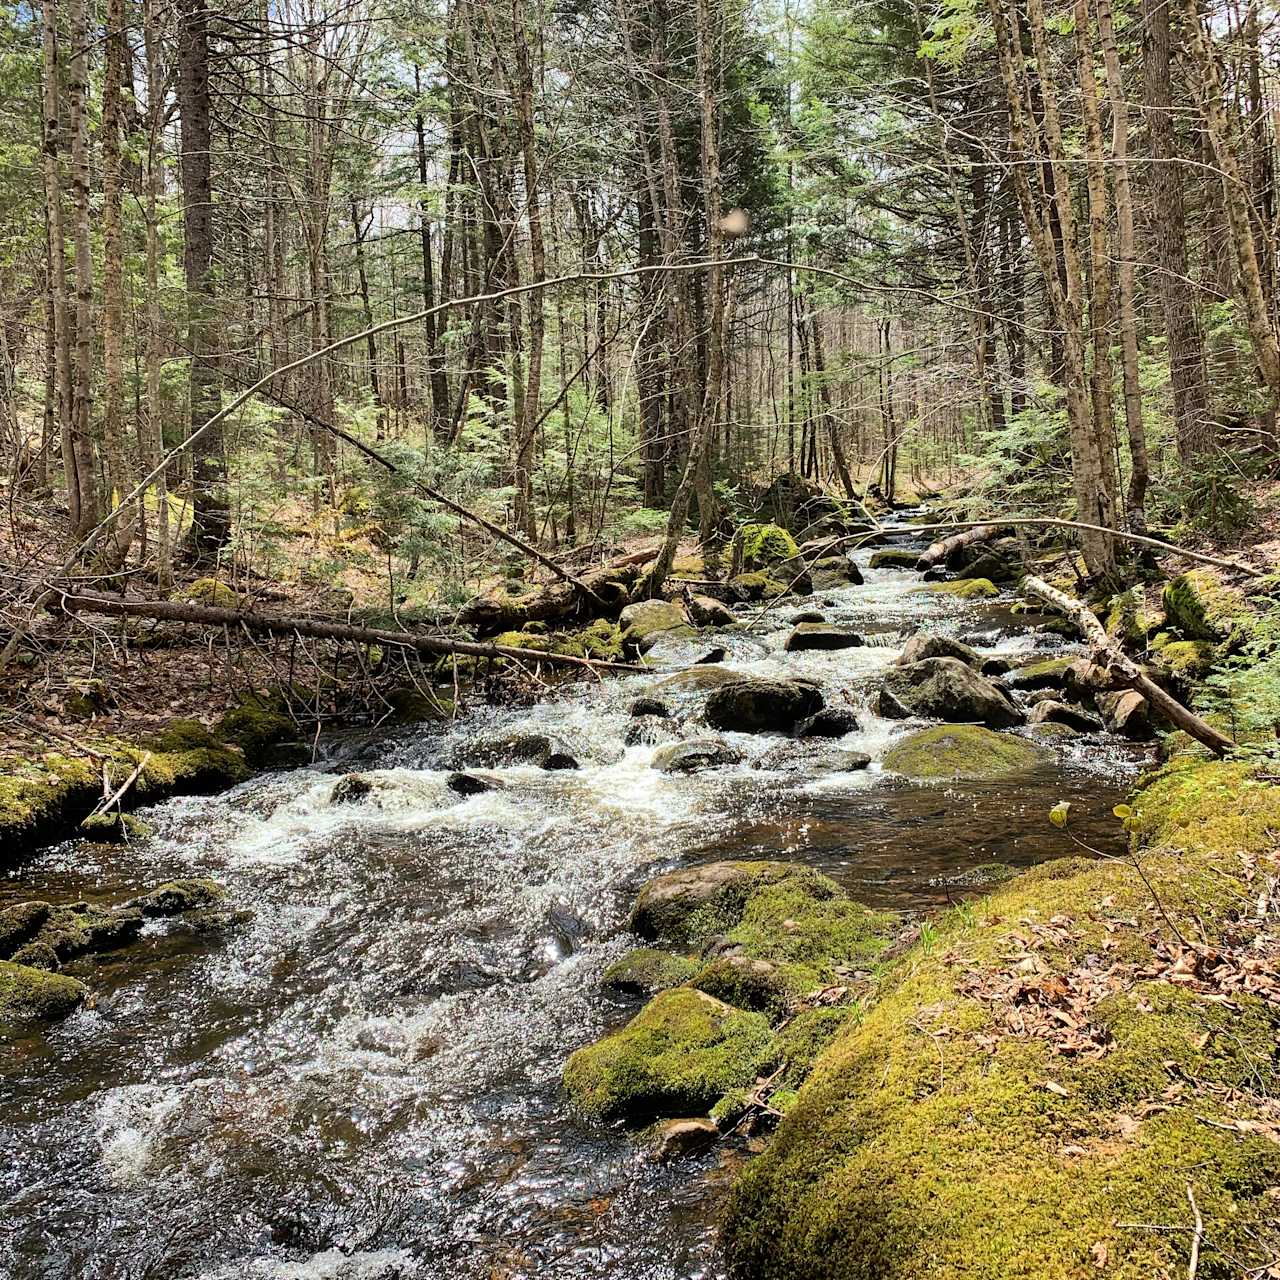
x: 601, y: 640
x: 1048, y: 673
x: 966, y: 589
x: 87, y: 700
x: 804, y: 1039
x: 961, y: 751
x: 523, y: 640
x: 29, y: 995
x: 1185, y: 661
x: 646, y: 971
x: 926, y: 1144
x: 184, y: 735
x: 209, y: 591
x: 680, y: 1054
x: 260, y: 727
x: 1128, y: 619
x: 747, y: 983
x: 1202, y: 608
x: 765, y: 544
x: 894, y: 558
x: 756, y: 586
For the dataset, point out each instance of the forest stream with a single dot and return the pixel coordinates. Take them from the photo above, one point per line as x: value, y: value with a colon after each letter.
x: 364, y: 1080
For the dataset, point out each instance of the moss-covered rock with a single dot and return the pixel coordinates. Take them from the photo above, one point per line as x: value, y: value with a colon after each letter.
x: 1183, y: 662
x: 1202, y: 608
x: 87, y: 699
x: 962, y: 751
x: 114, y: 827
x: 601, y: 640
x: 1040, y: 673
x: 747, y: 983
x: 646, y: 970
x: 19, y: 924
x: 938, y: 1138
x: 31, y: 996
x: 1129, y: 621
x: 263, y: 730
x: 965, y: 589
x: 209, y: 591
x: 764, y: 545
x: 645, y: 621
x: 676, y: 1057
x: 757, y: 585
x: 894, y: 558
x: 81, y: 928
x: 753, y: 705
x: 946, y: 689
x: 176, y: 896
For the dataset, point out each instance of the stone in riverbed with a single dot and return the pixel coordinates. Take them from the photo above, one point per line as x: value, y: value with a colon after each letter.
x: 677, y: 1139
x: 834, y: 571
x: 648, y: 731
x: 921, y: 646
x: 946, y: 689
x: 19, y: 924
x: 830, y: 722
x: 472, y: 784
x: 961, y: 751
x: 679, y: 1054
x: 966, y: 589
x: 810, y: 756
x: 894, y: 558
x: 698, y: 679
x: 1127, y: 713
x: 80, y: 928
x: 706, y: 612
x: 1050, y: 711
x: 540, y: 749
x: 648, y: 707
x: 807, y: 615
x: 37, y: 955
x: 29, y: 996
x: 351, y: 788
x: 646, y: 971
x: 751, y: 705
x: 695, y: 756
x: 177, y: 896
x: 1044, y: 673
x: 645, y: 621
x: 818, y: 635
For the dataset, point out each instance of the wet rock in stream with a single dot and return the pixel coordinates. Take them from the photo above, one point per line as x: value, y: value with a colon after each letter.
x: 472, y: 784
x: 946, y: 689
x: 961, y: 751
x: 808, y: 636
x: 177, y: 896
x: 520, y: 747
x: 695, y: 755
x: 646, y: 971
x: 753, y: 705
x: 648, y: 731
x: 1050, y: 711
x: 921, y: 646
x: 648, y: 707
x: 830, y: 722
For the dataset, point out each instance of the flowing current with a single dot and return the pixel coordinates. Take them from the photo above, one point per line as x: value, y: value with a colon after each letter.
x: 364, y: 1082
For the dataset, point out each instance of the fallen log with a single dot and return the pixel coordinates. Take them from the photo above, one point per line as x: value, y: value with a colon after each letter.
x: 598, y: 593
x: 74, y: 601
x: 1121, y: 671
x: 939, y: 552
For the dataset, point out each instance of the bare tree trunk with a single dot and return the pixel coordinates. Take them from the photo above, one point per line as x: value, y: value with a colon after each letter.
x: 1177, y: 294
x: 210, y: 511
x: 1235, y: 190
x: 1135, y: 503
x: 82, y: 363
x: 119, y: 473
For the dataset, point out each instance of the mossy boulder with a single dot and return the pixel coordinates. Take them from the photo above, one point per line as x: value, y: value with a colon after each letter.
x: 209, y: 591
x: 645, y: 621
x: 961, y: 751
x: 601, y: 640
x: 1202, y: 608
x: 924, y: 645
x: 676, y: 1057
x: 747, y: 983
x: 646, y: 970
x: 833, y: 572
x: 19, y: 924
x: 753, y: 705
x: 177, y: 896
x: 1181, y: 663
x: 965, y: 589
x: 82, y: 928
x: 940, y: 1136
x: 894, y: 558
x: 1041, y: 673
x: 764, y: 545
x: 87, y: 699
x: 946, y: 689
x: 263, y: 730
x: 758, y: 585
x: 31, y: 996
x: 1129, y: 621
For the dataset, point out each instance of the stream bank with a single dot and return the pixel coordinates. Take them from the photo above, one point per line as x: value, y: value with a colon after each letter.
x: 365, y: 1078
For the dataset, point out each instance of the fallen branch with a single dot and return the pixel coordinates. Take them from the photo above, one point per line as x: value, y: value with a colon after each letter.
x: 271, y: 624
x: 109, y: 799
x: 940, y: 552
x: 1121, y: 671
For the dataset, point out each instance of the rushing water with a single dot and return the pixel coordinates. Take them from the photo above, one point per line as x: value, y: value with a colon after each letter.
x: 364, y: 1082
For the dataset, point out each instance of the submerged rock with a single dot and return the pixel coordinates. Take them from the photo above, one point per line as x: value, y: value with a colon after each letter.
x: 679, y: 1054
x: 830, y: 722
x: 177, y: 896
x: 1050, y: 711
x: 751, y: 705
x: 922, y: 646
x: 31, y: 996
x: 648, y: 731
x: 472, y: 784
x: 351, y: 788
x: 818, y: 635
x: 648, y: 707
x: 678, y: 1139
x: 961, y: 751
x: 894, y: 558
x: 695, y: 755
x: 946, y: 689
x: 646, y: 971
x: 540, y: 749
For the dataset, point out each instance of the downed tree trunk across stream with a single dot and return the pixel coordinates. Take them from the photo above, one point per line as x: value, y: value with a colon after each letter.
x: 938, y: 552
x: 316, y: 628
x: 1123, y: 672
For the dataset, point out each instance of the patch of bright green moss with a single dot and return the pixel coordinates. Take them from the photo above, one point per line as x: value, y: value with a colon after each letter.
x: 965, y: 589
x: 756, y: 586
x: 747, y: 983
x: 961, y: 751
x: 29, y: 995
x: 927, y: 1143
x: 647, y: 970
x: 259, y: 726
x: 765, y: 544
x: 1185, y: 661
x: 677, y: 1056
x: 601, y: 640
x: 1202, y: 608
x: 209, y: 591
